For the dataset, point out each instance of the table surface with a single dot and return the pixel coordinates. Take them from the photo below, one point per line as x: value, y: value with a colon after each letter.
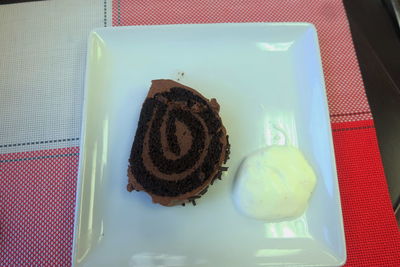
x: 41, y: 84
x: 377, y: 43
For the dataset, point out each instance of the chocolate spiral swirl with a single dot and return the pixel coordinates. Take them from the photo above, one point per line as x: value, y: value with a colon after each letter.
x: 179, y: 145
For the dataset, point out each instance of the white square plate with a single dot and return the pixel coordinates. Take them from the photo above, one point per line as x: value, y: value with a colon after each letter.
x: 262, y: 75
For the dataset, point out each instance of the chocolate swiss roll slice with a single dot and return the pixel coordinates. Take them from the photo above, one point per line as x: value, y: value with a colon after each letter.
x: 180, y: 145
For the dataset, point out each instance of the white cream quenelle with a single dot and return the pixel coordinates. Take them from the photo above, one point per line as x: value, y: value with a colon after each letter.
x: 274, y: 184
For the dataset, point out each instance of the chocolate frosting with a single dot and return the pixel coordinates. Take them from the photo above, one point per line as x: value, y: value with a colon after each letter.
x: 180, y: 144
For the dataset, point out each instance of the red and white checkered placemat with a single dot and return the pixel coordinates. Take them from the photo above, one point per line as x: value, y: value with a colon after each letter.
x: 42, y: 68
x: 37, y: 188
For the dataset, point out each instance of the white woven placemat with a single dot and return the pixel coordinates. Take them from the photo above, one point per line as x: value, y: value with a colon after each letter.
x: 42, y: 67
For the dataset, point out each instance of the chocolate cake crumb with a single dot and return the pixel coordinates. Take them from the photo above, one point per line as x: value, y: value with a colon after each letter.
x: 130, y: 187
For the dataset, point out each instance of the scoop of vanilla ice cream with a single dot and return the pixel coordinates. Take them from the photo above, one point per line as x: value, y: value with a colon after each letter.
x: 274, y: 184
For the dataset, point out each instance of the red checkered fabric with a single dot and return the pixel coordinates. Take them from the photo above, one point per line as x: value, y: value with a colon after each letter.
x: 372, y: 235
x: 37, y: 201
